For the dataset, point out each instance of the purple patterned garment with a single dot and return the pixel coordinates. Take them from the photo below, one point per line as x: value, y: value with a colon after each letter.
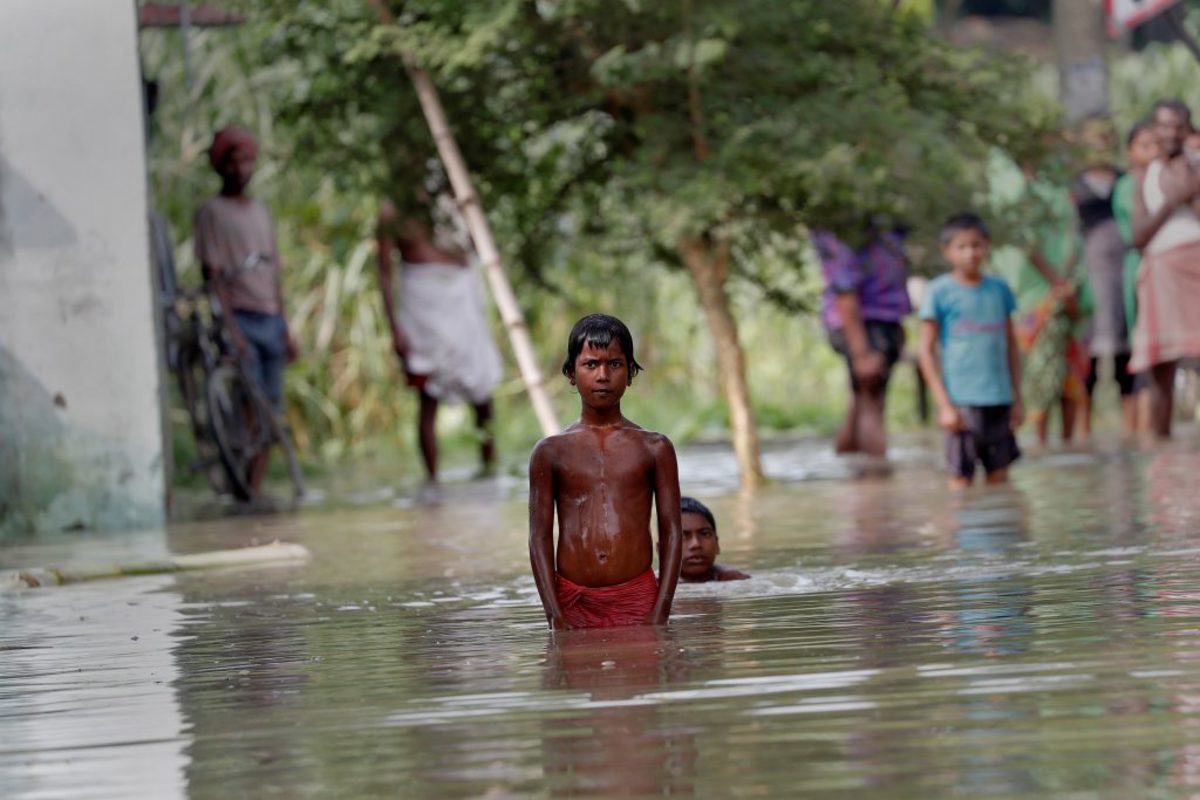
x: 877, y: 273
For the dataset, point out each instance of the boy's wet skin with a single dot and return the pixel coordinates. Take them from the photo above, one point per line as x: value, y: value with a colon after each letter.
x: 602, y: 475
x: 597, y: 470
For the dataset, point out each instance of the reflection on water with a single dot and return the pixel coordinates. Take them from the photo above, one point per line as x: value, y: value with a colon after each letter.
x: 1041, y: 639
x: 87, y: 705
x: 619, y: 743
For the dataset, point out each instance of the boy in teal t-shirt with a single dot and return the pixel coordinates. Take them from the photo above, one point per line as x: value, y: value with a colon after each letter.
x: 976, y: 382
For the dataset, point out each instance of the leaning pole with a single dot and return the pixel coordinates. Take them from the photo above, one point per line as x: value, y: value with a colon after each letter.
x: 481, y: 234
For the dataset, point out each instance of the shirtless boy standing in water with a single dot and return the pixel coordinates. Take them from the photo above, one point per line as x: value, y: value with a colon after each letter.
x: 601, y: 475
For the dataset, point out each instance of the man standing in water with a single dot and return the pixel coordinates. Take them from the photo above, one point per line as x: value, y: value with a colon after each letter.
x: 238, y: 254
x: 1166, y: 228
x: 865, y: 302
x: 439, y: 330
x: 602, y: 475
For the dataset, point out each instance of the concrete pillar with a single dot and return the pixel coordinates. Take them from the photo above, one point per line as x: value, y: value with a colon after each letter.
x: 1080, y: 41
x: 81, y: 442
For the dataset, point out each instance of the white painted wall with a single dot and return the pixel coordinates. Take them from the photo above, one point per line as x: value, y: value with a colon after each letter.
x: 80, y: 434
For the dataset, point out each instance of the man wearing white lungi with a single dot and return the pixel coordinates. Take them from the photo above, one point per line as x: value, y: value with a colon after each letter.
x: 439, y: 328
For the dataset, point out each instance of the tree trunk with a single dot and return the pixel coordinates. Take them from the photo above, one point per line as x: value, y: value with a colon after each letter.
x: 481, y: 235
x: 709, y: 265
x: 1081, y: 42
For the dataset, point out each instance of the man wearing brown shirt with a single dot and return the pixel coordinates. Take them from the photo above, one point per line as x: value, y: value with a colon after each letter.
x: 236, y: 248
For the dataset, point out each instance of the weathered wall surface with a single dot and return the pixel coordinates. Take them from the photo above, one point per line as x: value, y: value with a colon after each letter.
x: 80, y: 435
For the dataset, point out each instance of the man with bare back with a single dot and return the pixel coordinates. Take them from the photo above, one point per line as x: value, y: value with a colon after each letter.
x: 602, y: 475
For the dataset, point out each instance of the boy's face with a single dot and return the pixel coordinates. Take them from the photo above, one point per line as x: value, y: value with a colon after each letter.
x: 239, y: 167
x: 700, y: 547
x: 966, y: 252
x: 1143, y: 149
x: 601, y: 374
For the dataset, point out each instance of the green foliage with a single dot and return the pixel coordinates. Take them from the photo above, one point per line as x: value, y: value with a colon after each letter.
x: 645, y: 122
x: 1159, y: 72
x: 599, y: 132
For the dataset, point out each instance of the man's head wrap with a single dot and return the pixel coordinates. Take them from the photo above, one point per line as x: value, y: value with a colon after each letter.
x: 226, y: 141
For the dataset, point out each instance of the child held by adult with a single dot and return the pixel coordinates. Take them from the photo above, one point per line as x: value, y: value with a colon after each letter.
x: 701, y: 546
x: 977, y: 381
x: 1166, y: 227
x: 601, y: 476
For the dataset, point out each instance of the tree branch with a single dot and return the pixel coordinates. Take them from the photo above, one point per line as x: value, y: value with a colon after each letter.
x: 695, y: 107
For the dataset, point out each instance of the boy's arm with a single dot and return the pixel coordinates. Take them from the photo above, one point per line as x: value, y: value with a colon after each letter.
x: 384, y: 244
x: 1017, y: 414
x: 948, y: 416
x: 541, y: 533
x: 670, y: 529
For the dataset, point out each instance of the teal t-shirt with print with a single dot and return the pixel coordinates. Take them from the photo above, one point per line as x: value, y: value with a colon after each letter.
x: 973, y: 334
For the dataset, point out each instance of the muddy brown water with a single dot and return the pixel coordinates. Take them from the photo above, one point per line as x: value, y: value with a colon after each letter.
x: 1041, y: 640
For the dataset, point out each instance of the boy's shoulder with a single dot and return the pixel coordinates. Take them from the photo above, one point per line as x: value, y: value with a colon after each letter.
x: 941, y: 282
x: 941, y: 285
x: 576, y: 437
x: 995, y: 283
x: 723, y: 573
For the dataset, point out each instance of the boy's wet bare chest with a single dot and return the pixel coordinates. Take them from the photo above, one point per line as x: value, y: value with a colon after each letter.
x: 592, y: 473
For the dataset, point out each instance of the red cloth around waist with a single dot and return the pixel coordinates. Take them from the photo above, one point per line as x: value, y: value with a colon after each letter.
x: 627, y: 603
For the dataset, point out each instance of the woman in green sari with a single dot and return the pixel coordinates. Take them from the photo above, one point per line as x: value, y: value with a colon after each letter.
x: 1053, y: 303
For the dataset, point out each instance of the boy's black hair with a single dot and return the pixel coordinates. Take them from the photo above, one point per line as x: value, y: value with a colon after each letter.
x: 690, y: 505
x: 964, y: 221
x: 1178, y: 106
x: 1138, y: 127
x: 599, y: 330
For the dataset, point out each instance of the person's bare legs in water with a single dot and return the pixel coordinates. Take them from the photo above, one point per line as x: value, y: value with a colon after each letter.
x: 1162, y: 390
x: 863, y: 430
x: 427, y: 437
x: 846, y: 439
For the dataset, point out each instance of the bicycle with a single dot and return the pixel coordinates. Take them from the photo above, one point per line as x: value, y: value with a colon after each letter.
x: 231, y: 419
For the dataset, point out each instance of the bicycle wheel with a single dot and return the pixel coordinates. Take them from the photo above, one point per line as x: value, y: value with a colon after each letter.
x: 190, y: 376
x: 281, y: 436
x: 189, y: 373
x: 239, y: 423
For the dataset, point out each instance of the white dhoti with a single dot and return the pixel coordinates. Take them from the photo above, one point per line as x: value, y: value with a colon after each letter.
x: 444, y: 318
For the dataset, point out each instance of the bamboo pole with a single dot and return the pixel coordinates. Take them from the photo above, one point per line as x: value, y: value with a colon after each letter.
x: 481, y: 234
x: 52, y: 576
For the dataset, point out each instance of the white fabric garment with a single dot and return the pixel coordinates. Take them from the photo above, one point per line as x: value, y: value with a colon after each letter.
x: 1181, y: 228
x: 444, y: 317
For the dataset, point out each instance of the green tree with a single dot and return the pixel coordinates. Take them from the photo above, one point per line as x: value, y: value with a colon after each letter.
x: 701, y: 134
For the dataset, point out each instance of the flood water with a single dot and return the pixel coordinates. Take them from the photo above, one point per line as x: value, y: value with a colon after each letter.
x: 896, y: 641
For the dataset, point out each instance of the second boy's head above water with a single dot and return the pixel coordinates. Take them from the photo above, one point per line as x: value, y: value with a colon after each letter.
x: 700, y: 543
x: 965, y: 241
